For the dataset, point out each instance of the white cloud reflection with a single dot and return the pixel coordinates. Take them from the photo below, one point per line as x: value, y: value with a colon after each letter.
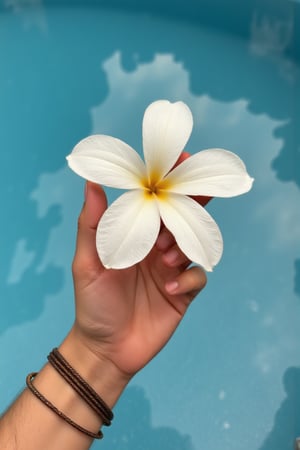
x: 22, y: 260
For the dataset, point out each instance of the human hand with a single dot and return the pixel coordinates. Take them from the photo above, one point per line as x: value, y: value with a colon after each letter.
x: 127, y: 316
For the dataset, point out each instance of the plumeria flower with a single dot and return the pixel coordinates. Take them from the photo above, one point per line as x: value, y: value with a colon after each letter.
x: 157, y: 191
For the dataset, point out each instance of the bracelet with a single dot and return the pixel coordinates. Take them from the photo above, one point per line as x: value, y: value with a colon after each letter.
x: 86, y: 392
x: 53, y: 408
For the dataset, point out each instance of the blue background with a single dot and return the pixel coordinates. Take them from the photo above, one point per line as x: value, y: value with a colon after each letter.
x: 230, y: 377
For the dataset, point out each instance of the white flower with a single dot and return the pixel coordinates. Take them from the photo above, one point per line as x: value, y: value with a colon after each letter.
x: 129, y: 228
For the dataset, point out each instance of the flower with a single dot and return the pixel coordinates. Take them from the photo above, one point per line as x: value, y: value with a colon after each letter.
x: 130, y: 226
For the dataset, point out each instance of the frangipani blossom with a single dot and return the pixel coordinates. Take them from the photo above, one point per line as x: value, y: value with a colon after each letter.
x: 129, y: 227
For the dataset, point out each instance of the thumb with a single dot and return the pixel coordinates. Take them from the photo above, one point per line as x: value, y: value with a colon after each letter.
x: 86, y: 256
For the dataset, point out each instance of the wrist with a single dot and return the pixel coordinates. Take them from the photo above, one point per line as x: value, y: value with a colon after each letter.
x: 57, y: 393
x: 96, y: 369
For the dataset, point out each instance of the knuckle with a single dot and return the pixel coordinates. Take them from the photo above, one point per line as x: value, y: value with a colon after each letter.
x: 84, y: 268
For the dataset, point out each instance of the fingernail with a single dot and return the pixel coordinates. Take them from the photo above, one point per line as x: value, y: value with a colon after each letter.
x: 172, y: 286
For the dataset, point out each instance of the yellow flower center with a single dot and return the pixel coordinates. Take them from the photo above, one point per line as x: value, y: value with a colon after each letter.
x: 155, y: 186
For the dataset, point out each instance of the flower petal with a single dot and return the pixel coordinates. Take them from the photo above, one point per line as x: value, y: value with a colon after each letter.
x: 213, y: 173
x: 109, y: 161
x: 127, y: 230
x: 166, y: 129
x: 195, y: 231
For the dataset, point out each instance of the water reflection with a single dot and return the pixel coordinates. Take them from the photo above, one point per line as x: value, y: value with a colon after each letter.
x: 55, y: 58
x: 56, y: 88
x: 24, y: 280
x: 15, y: 310
x: 38, y: 100
x: 286, y: 426
x: 135, y: 430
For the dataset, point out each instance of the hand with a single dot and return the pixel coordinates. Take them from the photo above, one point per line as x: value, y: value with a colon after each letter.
x: 128, y: 315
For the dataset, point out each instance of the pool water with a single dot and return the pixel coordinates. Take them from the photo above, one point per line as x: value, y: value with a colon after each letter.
x: 230, y: 378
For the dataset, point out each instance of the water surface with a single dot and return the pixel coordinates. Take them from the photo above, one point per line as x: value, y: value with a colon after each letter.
x: 230, y: 378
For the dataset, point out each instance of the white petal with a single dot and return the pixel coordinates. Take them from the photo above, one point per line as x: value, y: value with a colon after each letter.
x: 195, y: 231
x: 213, y: 172
x: 128, y: 230
x: 109, y: 161
x: 166, y: 129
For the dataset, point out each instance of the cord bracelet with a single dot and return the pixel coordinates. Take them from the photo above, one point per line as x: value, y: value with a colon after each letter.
x: 53, y: 408
x: 80, y: 386
x: 86, y: 392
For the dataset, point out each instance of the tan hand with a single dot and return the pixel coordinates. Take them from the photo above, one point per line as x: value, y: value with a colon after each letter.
x: 128, y: 315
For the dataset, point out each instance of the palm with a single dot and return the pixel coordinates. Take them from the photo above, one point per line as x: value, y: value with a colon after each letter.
x: 129, y: 311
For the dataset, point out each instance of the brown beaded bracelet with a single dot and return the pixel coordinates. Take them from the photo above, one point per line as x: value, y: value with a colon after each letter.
x: 87, y: 393
x: 53, y: 408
